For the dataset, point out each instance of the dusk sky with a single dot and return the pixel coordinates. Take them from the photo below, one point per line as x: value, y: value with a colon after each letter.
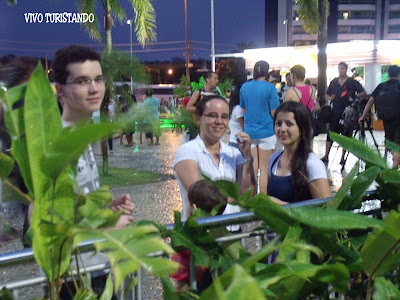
x: 235, y: 21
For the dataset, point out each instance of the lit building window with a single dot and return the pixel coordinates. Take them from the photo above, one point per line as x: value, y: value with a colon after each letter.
x: 345, y: 15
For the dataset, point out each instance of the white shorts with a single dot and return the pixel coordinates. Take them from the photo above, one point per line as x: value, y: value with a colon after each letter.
x: 265, y: 143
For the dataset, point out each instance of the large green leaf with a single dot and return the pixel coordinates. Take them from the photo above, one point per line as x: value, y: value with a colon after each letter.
x: 194, y: 237
x: 238, y: 284
x: 225, y: 187
x: 392, y: 146
x: 360, y: 185
x: 359, y: 149
x: 70, y: 144
x: 329, y: 219
x: 271, y: 213
x: 385, y: 290
x: 128, y: 248
x: 378, y: 250
x: 6, y: 165
x: 14, y: 121
x: 340, y: 200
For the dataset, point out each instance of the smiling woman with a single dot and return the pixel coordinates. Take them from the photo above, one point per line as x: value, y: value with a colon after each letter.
x: 296, y: 173
x: 208, y: 155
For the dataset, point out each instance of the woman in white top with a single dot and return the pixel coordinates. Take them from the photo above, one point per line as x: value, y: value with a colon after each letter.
x: 208, y: 155
x: 296, y: 173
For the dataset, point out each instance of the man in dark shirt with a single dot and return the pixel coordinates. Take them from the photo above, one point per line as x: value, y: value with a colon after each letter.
x: 392, y: 127
x: 338, y: 92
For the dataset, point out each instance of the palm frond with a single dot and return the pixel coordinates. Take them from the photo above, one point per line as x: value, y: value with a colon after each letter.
x: 117, y: 11
x: 145, y: 21
x: 89, y: 6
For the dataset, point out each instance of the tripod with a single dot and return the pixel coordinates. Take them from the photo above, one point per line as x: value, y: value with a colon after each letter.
x: 355, y: 128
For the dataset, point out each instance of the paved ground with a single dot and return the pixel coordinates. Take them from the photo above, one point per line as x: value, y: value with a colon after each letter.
x: 157, y: 201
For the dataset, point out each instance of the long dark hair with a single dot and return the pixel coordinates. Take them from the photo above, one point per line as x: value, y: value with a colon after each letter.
x: 298, y: 165
x: 234, y: 99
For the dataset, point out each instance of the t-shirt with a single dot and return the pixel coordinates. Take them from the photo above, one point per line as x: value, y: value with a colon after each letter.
x: 379, y: 87
x: 259, y: 98
x: 195, y: 150
x: 342, y: 92
x: 151, y: 107
x: 234, y: 124
x: 315, y: 167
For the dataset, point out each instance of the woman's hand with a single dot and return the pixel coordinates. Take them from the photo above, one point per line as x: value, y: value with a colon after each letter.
x: 244, y: 142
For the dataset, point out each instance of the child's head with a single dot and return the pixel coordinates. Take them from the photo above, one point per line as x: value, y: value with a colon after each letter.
x: 205, y: 196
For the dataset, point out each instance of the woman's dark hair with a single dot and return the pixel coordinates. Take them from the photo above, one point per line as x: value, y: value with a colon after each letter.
x: 201, y: 106
x: 234, y: 99
x: 298, y: 165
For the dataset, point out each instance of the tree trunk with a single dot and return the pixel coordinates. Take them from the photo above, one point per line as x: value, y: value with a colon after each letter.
x: 104, y: 105
x: 322, y: 57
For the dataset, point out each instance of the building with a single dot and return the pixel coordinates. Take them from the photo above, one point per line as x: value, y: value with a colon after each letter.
x: 348, y: 20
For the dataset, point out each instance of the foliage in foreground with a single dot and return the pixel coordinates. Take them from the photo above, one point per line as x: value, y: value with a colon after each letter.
x: 322, y: 250
x: 63, y: 215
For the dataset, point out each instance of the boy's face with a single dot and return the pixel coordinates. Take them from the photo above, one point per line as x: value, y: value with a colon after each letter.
x: 84, y: 88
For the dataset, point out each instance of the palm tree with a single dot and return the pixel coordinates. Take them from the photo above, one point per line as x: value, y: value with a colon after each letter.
x: 313, y: 14
x: 144, y: 19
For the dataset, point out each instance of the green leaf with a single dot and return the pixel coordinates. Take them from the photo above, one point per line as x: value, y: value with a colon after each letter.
x: 70, y: 144
x: 391, y: 176
x: 340, y: 200
x: 360, y: 185
x: 225, y: 187
x: 6, y: 165
x: 392, y: 146
x: 359, y: 149
x: 238, y: 285
x: 271, y: 213
x: 379, y: 246
x: 128, y: 248
x: 14, y: 121
x: 194, y: 237
x: 385, y: 290
x: 108, y: 289
x: 329, y: 219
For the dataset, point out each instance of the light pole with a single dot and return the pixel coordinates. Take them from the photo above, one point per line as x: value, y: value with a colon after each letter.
x: 186, y: 42
x: 212, y: 38
x: 130, y: 22
x: 286, y: 23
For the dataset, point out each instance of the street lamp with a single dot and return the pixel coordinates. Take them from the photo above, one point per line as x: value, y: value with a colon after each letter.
x: 212, y: 38
x: 130, y: 22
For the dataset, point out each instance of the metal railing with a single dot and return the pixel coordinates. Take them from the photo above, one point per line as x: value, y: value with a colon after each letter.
x: 26, y: 255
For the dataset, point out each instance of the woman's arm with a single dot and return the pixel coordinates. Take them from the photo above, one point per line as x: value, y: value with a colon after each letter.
x: 245, y: 173
x: 320, y: 188
x: 191, y: 106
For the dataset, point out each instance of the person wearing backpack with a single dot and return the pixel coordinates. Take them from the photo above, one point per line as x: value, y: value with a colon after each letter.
x: 339, y: 92
x: 386, y: 98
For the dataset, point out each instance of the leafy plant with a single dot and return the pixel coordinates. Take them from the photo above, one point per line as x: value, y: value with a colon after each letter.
x: 62, y: 214
x: 322, y: 250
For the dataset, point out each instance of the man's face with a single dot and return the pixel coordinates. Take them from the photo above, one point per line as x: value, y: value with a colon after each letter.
x: 342, y: 70
x: 213, y: 81
x: 84, y: 89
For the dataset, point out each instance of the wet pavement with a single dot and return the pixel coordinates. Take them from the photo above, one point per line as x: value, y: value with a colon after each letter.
x: 157, y: 201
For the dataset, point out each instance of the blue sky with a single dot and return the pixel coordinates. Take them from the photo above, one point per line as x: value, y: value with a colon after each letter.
x: 235, y: 21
